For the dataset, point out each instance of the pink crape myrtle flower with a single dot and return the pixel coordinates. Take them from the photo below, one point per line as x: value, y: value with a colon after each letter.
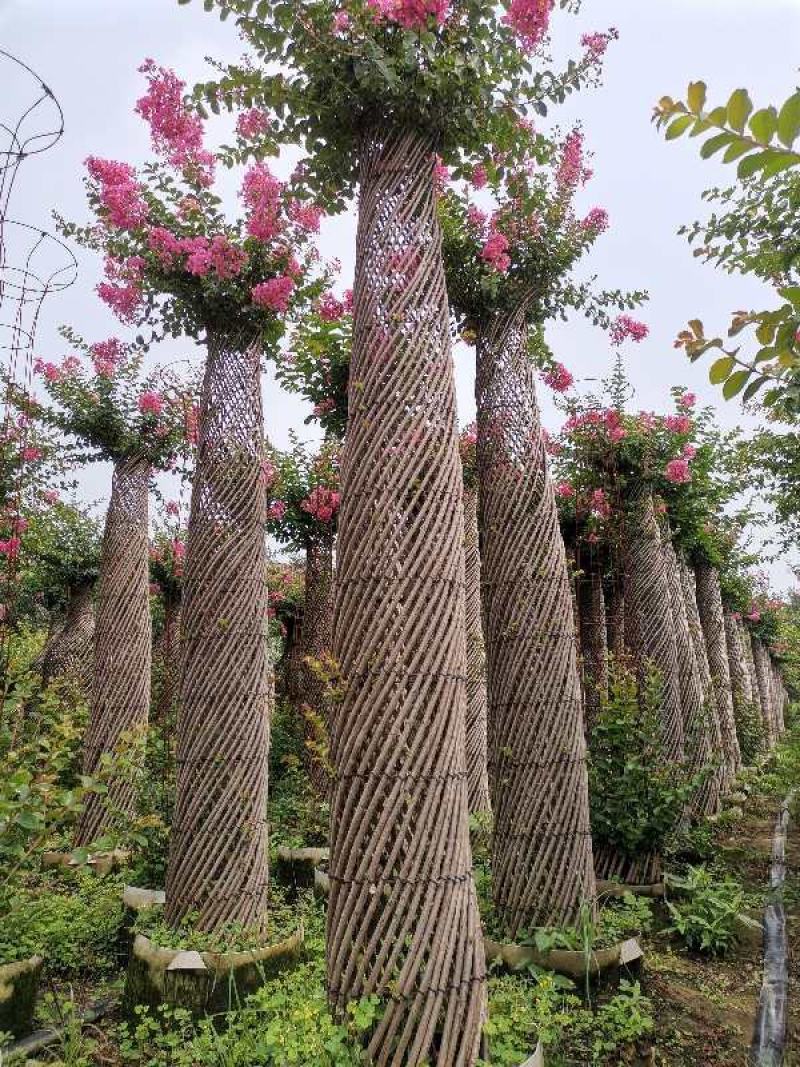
x: 150, y: 403
x: 322, y: 503
x: 275, y: 294
x: 411, y: 14
x: 173, y: 507
x: 624, y: 327
x: 688, y: 452
x: 341, y: 22
x: 106, y: 356
x: 30, y: 454
x: 564, y: 490
x: 687, y: 401
x: 330, y: 309
x: 754, y: 615
x: 276, y: 510
x: 306, y: 216
x: 677, y: 471
x: 124, y: 300
x: 49, y: 371
x: 558, y: 378
x: 495, y: 252
x: 175, y: 131
x: 529, y: 19
x: 596, y: 221
x: 119, y: 193
x: 597, y: 43
x: 261, y: 194
x: 252, y: 122
x: 571, y: 171
x: 441, y: 174
x: 479, y: 176
x: 50, y: 496
x: 10, y: 547
x: 678, y: 423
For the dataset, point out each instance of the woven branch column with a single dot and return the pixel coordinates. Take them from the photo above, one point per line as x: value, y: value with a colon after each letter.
x: 122, y: 642
x: 712, y: 619
x: 477, y: 771
x: 71, y: 648
x: 762, y: 684
x: 168, y: 655
x: 740, y: 681
x: 542, y: 867
x: 749, y: 663
x: 317, y: 637
x: 615, y: 614
x: 777, y: 696
x: 402, y: 913
x: 649, y: 625
x: 697, y: 732
x: 593, y: 637
x: 217, y: 863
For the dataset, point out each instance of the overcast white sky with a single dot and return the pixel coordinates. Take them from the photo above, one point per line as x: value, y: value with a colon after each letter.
x: 88, y: 52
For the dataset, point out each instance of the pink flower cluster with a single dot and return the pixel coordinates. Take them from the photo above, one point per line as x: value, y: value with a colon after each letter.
x: 175, y: 131
x: 596, y: 222
x: 252, y: 122
x: 529, y: 19
x: 597, y: 43
x: 479, y: 176
x: 687, y: 401
x: 261, y: 194
x: 411, y: 14
x: 678, y: 423
x: 600, y: 504
x: 330, y: 309
x: 324, y: 406
x: 119, y: 193
x: 10, y: 547
x: 495, y: 252
x: 203, y: 256
x: 624, y: 327
x: 571, y: 171
x: 558, y: 378
x: 150, y: 403
x: 322, y: 503
x: 121, y: 291
x: 276, y: 510
x: 49, y: 371
x: 564, y: 490
x: 106, y: 356
x: 677, y: 471
x: 275, y: 294
x: 306, y: 216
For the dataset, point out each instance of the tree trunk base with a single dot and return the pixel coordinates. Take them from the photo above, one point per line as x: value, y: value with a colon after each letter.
x: 205, y: 983
x: 631, y: 870
x: 19, y: 985
x: 134, y: 902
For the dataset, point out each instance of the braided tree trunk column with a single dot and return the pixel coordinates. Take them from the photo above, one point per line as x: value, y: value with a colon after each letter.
x: 762, y: 683
x: 168, y: 653
x: 712, y: 619
x: 542, y: 866
x: 592, y: 631
x: 740, y: 680
x: 71, y: 649
x: 477, y: 773
x: 649, y: 625
x: 749, y: 664
x: 777, y: 696
x: 317, y: 641
x: 402, y: 913
x: 698, y: 737
x: 218, y: 841
x: 122, y: 639
x: 615, y: 613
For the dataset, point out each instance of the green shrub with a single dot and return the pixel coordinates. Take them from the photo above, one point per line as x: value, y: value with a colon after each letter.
x: 749, y: 731
x: 708, y: 912
x: 636, y: 797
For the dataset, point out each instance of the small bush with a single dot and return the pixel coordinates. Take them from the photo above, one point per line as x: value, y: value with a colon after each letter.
x: 708, y: 912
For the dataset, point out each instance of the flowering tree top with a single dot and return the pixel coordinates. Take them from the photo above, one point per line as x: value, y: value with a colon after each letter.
x: 305, y: 493
x: 111, y: 408
x: 172, y: 260
x: 460, y: 72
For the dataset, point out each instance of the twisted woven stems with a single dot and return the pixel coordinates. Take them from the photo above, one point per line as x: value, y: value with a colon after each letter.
x: 167, y: 656
x: 649, y: 624
x: 697, y: 730
x: 477, y: 771
x: 542, y: 867
x: 712, y: 619
x: 218, y: 840
x: 749, y: 665
x: 593, y: 635
x: 402, y: 914
x: 778, y: 696
x: 317, y: 637
x: 741, y: 686
x: 761, y: 660
x: 122, y: 644
x: 70, y: 651
x: 615, y: 613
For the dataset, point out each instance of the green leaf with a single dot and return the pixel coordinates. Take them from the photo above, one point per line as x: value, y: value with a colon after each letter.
x: 679, y: 126
x: 738, y: 148
x: 735, y: 383
x: 752, y: 389
x: 739, y: 107
x: 764, y: 124
x: 789, y: 120
x: 780, y: 161
x: 752, y: 163
x: 765, y: 333
x: 791, y: 293
x: 696, y: 96
x: 713, y: 144
x: 720, y: 369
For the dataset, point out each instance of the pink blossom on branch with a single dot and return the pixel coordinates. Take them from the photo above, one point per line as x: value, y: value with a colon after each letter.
x: 252, y: 122
x: 106, y: 356
x: 150, y: 403
x: 677, y: 471
x: 624, y: 327
x: 175, y: 131
x: 261, y: 194
x: 119, y: 193
x: 678, y: 423
x: 411, y: 14
x: 330, y: 309
x: 558, y: 378
x: 124, y: 300
x: 571, y: 170
x: 596, y: 221
x: 306, y: 216
x: 529, y: 19
x: 564, y: 490
x: 274, y: 294
x: 322, y: 503
x: 597, y: 43
x: 687, y: 401
x: 495, y: 252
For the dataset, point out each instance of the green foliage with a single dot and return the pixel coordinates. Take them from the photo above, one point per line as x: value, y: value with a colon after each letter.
x: 708, y: 912
x: 317, y: 367
x: 72, y: 919
x: 294, y: 476
x: 636, y: 798
x: 750, y: 731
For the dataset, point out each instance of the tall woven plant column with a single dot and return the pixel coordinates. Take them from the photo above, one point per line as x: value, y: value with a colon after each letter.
x: 593, y: 636
x: 402, y: 914
x: 317, y: 642
x: 615, y: 613
x: 740, y: 681
x: 749, y: 663
x: 760, y: 658
x: 698, y: 738
x: 477, y: 771
x: 779, y: 697
x: 718, y: 782
x: 71, y: 649
x: 122, y: 638
x: 712, y: 619
x: 168, y: 653
x: 649, y: 626
x: 217, y: 863
x: 542, y: 867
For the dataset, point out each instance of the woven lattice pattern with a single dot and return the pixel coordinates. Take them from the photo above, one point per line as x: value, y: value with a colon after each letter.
x: 760, y: 660
x: 697, y: 731
x: 610, y: 863
x: 740, y: 680
x: 649, y: 626
x: 402, y: 913
x: 477, y: 773
x: 615, y: 613
x: 779, y: 697
x: 749, y: 665
x: 712, y: 619
x: 542, y: 866
x: 167, y: 657
x: 317, y: 640
x: 593, y: 636
x: 122, y: 642
x: 218, y: 842
x: 70, y: 651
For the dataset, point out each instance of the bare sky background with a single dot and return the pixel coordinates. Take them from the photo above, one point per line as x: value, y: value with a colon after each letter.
x: 88, y: 52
